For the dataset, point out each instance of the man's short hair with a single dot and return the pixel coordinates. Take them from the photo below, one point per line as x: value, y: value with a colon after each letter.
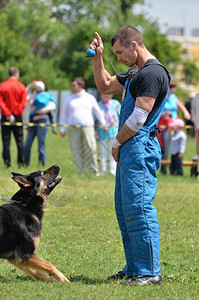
x: 80, y: 81
x: 126, y: 35
x: 13, y: 71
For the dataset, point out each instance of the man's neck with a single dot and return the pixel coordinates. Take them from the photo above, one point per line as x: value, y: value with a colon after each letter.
x: 78, y: 92
x: 143, y: 57
x: 13, y: 77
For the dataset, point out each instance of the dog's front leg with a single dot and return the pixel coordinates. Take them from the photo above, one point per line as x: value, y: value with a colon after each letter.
x: 37, y: 275
x: 30, y: 272
x: 36, y: 263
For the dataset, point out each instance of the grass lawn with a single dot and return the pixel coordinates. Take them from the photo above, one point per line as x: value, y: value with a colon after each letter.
x: 81, y: 237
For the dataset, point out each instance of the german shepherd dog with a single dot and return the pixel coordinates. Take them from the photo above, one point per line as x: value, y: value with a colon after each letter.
x: 21, y: 223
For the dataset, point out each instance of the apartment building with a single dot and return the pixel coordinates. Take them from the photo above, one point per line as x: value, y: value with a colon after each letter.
x: 191, y: 44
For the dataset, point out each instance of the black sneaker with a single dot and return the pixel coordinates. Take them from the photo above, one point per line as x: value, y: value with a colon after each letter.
x: 142, y: 280
x: 119, y: 275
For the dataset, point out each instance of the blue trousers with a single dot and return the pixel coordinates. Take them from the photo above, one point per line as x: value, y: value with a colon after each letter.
x: 176, y: 165
x: 40, y: 132
x: 136, y: 184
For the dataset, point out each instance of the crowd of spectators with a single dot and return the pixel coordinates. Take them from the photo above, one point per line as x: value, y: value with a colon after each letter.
x: 89, y: 123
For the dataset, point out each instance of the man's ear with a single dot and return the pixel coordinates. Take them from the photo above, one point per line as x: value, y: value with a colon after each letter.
x: 22, y: 180
x: 133, y: 45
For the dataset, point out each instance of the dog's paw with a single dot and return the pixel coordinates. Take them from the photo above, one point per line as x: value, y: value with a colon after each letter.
x: 60, y: 277
x: 64, y: 279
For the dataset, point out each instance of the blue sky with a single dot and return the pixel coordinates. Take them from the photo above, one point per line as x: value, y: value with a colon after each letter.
x: 181, y: 13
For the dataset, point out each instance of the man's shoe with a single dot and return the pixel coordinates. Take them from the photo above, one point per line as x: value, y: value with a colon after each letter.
x: 142, y: 280
x: 119, y: 275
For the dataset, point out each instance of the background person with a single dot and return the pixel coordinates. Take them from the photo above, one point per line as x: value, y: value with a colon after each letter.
x: 195, y: 119
x: 13, y: 97
x: 41, y: 101
x: 31, y: 93
x: 136, y: 149
x: 178, y: 144
x: 79, y: 109
x: 111, y: 110
x: 168, y: 115
x: 189, y: 123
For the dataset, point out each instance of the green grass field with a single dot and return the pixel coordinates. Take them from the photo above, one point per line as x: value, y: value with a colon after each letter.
x: 81, y: 237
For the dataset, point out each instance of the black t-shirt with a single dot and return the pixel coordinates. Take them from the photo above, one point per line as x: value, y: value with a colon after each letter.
x: 152, y: 80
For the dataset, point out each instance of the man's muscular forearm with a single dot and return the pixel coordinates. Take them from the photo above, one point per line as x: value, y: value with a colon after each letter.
x: 102, y: 77
x: 125, y: 134
x: 105, y: 83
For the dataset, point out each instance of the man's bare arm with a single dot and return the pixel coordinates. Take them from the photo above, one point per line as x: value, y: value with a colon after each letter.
x: 145, y: 103
x: 104, y: 81
x: 125, y: 133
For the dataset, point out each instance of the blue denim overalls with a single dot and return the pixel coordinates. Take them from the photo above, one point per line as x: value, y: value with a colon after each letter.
x: 136, y: 184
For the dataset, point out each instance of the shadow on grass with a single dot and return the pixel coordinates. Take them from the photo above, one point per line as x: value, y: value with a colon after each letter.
x: 82, y: 279
x: 87, y: 280
x: 17, y: 278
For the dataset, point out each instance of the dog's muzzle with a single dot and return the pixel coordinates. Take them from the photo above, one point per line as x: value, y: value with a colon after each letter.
x: 53, y: 184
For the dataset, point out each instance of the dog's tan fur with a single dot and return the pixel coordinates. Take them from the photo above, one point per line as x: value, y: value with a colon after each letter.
x: 35, y: 267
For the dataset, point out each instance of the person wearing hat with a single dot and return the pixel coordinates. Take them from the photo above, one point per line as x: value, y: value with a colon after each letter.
x: 33, y: 89
x: 31, y: 93
x: 177, y: 147
x: 41, y: 108
x: 168, y: 115
x: 43, y: 103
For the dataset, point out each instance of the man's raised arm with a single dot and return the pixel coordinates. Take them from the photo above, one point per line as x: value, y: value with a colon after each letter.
x: 104, y: 81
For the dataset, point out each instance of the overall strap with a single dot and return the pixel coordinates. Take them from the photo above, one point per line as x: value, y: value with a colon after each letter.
x: 155, y: 62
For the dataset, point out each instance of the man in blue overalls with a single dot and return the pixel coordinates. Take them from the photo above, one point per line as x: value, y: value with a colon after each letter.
x: 136, y: 150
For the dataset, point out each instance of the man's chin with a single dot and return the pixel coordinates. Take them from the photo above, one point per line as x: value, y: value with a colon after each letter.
x: 128, y: 64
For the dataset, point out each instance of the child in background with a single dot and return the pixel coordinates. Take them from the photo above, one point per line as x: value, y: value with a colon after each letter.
x: 177, y: 147
x: 43, y: 103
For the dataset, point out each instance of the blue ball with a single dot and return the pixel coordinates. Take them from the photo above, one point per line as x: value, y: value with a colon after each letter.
x: 90, y: 52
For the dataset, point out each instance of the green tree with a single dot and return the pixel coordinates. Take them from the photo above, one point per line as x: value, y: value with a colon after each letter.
x: 105, y: 13
x: 191, y: 72
x: 31, y: 40
x: 74, y: 61
x: 49, y: 38
x: 167, y: 53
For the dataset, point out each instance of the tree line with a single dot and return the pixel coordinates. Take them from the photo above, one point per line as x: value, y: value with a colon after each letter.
x: 48, y: 39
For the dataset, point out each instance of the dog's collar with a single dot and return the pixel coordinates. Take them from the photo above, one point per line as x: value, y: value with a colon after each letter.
x: 12, y: 201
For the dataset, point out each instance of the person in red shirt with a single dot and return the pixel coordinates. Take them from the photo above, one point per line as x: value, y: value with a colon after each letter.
x: 13, y: 97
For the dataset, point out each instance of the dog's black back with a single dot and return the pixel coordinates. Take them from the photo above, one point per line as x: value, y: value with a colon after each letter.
x: 19, y: 228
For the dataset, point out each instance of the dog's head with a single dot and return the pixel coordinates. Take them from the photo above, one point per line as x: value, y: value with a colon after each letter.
x: 39, y: 183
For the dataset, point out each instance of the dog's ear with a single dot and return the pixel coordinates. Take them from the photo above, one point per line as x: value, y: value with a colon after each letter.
x: 22, y: 180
